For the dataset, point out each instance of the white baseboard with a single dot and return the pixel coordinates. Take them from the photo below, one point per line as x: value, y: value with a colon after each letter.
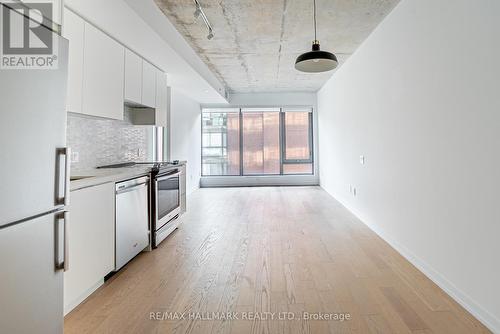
x: 488, y: 319
x: 264, y: 180
x: 74, y: 303
x: 192, y: 189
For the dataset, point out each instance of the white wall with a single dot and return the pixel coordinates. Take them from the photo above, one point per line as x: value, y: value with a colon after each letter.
x: 420, y: 100
x: 185, y: 117
x: 274, y: 99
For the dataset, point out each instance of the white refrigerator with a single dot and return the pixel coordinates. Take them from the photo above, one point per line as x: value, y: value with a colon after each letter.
x: 34, y: 197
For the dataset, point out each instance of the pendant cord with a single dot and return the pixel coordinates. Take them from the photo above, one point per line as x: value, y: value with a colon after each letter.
x: 315, y: 37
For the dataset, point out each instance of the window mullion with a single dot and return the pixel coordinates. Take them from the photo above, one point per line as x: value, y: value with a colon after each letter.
x: 241, y: 142
x: 282, y: 140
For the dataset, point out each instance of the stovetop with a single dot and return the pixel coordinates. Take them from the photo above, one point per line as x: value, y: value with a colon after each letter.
x: 155, y: 165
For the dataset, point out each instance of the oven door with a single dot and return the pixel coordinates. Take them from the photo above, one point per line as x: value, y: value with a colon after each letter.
x: 167, y: 198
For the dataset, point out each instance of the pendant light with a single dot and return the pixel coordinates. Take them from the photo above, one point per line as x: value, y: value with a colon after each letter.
x: 316, y: 61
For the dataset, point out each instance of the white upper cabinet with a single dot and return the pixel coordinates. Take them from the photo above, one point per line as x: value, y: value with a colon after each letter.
x: 162, y: 99
x: 73, y: 30
x: 133, y: 77
x: 103, y: 73
x: 156, y: 114
x: 148, y: 84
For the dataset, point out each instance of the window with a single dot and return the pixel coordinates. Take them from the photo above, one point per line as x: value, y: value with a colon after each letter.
x: 257, y: 141
x: 220, y: 142
x: 261, y: 142
x: 297, y: 151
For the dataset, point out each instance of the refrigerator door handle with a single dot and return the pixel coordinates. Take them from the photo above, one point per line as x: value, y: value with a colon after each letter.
x: 64, y: 199
x: 62, y: 247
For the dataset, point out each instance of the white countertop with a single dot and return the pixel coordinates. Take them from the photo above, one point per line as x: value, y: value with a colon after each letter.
x: 93, y: 177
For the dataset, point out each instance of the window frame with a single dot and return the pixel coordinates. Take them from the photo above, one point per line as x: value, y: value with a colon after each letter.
x: 222, y: 147
x: 282, y: 139
x: 242, y: 139
x: 284, y: 160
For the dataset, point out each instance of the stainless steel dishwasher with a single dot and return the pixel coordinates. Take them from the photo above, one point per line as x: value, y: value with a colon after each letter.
x: 132, y: 219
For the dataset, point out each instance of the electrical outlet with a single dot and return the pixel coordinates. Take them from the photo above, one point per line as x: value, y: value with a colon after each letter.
x: 75, y: 157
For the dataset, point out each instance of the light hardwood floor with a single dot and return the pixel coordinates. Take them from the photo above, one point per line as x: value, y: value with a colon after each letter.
x: 277, y: 249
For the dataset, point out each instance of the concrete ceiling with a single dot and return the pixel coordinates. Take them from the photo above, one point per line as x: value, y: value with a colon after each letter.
x: 257, y: 41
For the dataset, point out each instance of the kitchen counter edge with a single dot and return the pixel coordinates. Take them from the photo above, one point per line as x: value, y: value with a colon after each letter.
x: 96, y: 177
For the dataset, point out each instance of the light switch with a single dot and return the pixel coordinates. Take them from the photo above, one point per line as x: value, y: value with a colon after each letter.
x: 362, y: 159
x: 75, y: 157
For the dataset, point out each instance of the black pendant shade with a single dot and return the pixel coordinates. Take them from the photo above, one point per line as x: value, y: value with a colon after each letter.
x: 316, y: 61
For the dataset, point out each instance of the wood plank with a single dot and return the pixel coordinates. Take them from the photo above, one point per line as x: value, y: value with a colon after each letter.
x: 409, y: 316
x: 276, y: 250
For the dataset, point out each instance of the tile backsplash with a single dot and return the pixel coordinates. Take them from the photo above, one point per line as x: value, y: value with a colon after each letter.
x: 99, y: 141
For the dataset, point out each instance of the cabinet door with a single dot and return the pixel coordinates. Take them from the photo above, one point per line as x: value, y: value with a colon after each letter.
x: 162, y: 99
x: 103, y: 74
x: 73, y: 30
x: 91, y: 242
x: 148, y: 84
x: 133, y: 77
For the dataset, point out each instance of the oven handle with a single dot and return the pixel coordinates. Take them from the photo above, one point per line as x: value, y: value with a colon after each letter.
x: 168, y: 176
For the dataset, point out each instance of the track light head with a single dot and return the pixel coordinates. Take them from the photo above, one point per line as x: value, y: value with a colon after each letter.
x: 197, y: 12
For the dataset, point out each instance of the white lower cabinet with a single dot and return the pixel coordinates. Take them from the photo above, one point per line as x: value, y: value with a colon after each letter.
x: 91, y: 235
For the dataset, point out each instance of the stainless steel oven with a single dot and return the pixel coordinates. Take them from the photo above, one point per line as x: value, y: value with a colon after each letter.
x: 166, y: 202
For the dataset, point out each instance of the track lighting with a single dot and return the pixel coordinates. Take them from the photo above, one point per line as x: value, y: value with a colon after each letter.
x: 210, y: 34
x: 199, y: 12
